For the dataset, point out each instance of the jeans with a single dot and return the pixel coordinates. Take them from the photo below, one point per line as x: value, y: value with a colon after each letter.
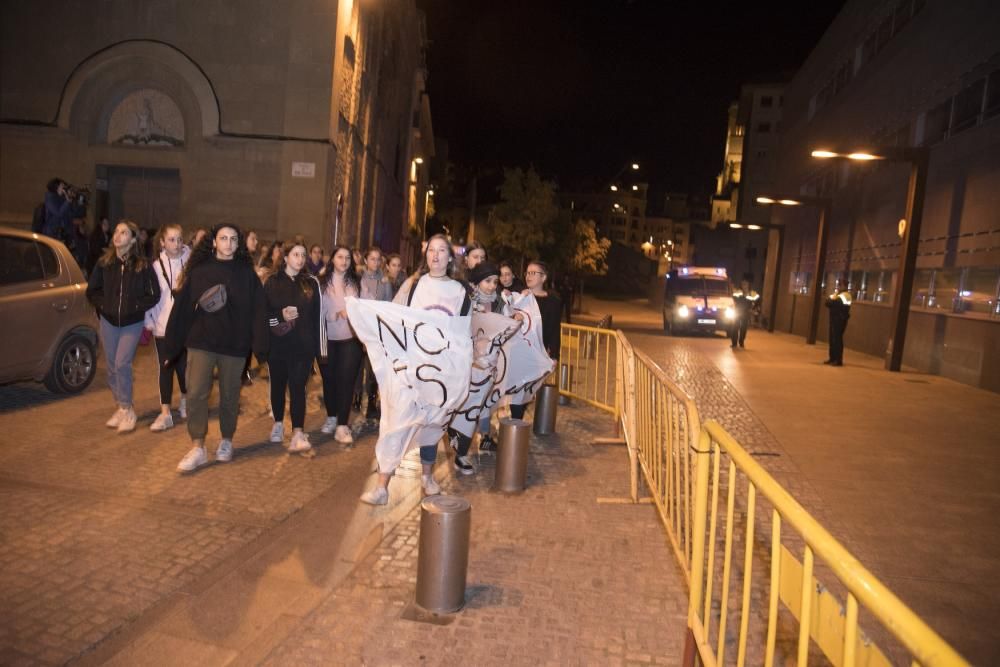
x: 199, y: 378
x: 339, y: 372
x: 120, y: 344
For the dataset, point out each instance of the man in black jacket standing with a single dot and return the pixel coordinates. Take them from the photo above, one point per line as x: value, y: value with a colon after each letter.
x: 839, y: 304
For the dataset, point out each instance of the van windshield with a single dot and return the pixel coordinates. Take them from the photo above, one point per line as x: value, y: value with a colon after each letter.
x: 717, y: 287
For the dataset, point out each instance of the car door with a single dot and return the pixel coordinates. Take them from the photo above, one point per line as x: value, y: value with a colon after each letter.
x: 32, y: 305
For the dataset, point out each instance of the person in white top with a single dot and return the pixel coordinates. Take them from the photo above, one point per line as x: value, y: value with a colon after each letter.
x: 167, y: 267
x: 431, y: 288
x: 344, y: 349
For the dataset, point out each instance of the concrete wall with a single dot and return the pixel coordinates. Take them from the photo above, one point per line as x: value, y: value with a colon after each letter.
x: 886, y: 101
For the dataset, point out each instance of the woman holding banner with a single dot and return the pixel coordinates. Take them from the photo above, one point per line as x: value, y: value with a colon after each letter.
x: 423, y: 372
x: 550, y: 308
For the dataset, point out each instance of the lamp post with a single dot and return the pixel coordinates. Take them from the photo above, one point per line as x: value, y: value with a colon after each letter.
x: 918, y: 159
x: 825, y: 206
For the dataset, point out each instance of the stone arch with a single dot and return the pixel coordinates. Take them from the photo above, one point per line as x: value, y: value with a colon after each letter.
x: 165, y: 66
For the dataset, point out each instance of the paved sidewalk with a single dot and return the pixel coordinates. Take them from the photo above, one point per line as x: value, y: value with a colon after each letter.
x: 900, y: 467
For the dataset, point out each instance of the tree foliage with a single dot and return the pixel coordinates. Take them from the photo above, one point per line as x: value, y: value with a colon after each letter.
x: 523, y: 223
x: 590, y: 252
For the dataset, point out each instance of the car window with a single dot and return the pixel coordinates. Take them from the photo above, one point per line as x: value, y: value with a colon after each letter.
x: 717, y: 288
x: 687, y: 286
x: 19, y: 261
x: 50, y: 263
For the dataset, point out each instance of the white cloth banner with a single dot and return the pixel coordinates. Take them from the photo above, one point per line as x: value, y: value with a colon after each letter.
x: 490, y: 332
x: 524, y: 362
x: 422, y: 360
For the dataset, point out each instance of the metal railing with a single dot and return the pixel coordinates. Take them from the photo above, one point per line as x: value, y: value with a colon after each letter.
x: 661, y: 426
x: 823, y: 623
x: 587, y: 366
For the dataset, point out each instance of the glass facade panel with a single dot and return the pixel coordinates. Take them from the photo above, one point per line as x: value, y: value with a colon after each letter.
x: 980, y: 291
x: 799, y: 283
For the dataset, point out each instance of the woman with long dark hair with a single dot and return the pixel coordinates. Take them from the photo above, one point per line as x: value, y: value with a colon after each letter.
x: 122, y: 287
x: 219, y: 314
x: 433, y: 287
x: 344, y: 350
x: 298, y: 336
x: 168, y: 268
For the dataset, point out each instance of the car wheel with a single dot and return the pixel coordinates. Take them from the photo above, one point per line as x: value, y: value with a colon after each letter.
x: 73, y: 366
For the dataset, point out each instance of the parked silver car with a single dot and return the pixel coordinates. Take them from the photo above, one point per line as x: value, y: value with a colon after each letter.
x: 48, y: 329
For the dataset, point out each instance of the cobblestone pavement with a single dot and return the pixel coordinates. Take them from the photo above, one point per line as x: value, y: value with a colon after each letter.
x: 897, y: 466
x: 554, y: 577
x: 97, y: 528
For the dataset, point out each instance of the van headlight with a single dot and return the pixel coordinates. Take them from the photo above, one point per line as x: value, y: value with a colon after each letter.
x: 730, y: 313
x: 682, y: 311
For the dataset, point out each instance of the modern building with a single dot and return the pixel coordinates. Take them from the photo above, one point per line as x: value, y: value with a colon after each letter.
x: 620, y: 211
x: 305, y: 117
x: 887, y: 75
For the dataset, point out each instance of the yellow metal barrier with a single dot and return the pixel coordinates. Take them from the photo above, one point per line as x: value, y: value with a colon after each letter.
x: 824, y: 625
x: 660, y: 422
x: 587, y: 363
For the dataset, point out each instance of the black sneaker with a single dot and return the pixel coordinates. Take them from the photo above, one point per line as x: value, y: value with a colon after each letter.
x: 487, y: 444
x: 464, y: 466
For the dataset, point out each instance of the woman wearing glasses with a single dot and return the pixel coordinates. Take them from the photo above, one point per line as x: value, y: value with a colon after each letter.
x: 550, y: 306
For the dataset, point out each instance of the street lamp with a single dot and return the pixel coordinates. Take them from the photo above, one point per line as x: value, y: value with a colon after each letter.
x: 824, y: 204
x: 918, y: 159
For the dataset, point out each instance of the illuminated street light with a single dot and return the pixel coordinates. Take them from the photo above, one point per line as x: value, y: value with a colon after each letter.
x: 635, y: 166
x: 764, y: 200
x: 635, y: 187
x: 919, y: 160
x: 418, y: 160
x: 754, y: 227
x: 614, y: 188
x: 735, y: 225
x: 789, y: 202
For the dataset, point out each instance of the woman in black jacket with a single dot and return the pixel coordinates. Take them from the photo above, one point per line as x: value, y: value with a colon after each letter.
x: 219, y: 316
x: 122, y: 287
x: 297, y: 332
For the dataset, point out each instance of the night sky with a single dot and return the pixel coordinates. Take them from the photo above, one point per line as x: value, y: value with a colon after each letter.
x: 578, y: 89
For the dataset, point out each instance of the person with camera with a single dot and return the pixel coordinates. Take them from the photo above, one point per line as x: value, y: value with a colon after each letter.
x: 122, y: 288
x: 219, y: 315
x: 298, y: 335
x: 59, y: 209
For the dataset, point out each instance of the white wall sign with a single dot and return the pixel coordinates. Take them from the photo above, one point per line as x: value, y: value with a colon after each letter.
x: 303, y: 170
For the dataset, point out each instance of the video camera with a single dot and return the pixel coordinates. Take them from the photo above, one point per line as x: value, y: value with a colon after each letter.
x: 80, y: 196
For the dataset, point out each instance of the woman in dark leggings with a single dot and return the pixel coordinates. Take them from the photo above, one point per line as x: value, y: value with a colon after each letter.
x: 344, y: 351
x: 297, y: 333
x: 168, y: 267
x: 551, y: 308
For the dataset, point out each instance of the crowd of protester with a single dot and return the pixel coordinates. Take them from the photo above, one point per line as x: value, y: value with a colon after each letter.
x: 216, y: 298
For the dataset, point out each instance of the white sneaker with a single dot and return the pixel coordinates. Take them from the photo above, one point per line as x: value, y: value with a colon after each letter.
x: 299, y: 443
x: 127, y: 422
x: 162, y: 422
x: 430, y: 487
x: 182, y: 410
x: 224, y: 454
x: 193, y: 459
x: 116, y: 418
x: 329, y: 425
x: 376, y: 496
x: 278, y: 432
x: 344, y: 435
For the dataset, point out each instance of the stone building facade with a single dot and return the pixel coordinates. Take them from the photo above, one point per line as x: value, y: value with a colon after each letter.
x: 897, y: 74
x: 301, y: 117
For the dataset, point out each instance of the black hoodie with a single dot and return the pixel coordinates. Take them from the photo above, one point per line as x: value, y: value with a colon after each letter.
x: 241, y: 325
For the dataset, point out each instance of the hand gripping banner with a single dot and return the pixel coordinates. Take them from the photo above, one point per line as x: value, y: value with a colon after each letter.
x: 527, y: 363
x: 422, y: 360
x: 490, y: 332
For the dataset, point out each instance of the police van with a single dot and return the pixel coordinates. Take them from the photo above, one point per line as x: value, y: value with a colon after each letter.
x: 697, y: 298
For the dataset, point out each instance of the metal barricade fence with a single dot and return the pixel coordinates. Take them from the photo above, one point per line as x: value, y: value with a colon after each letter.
x: 661, y: 427
x: 822, y: 623
x: 587, y: 366
x: 681, y: 462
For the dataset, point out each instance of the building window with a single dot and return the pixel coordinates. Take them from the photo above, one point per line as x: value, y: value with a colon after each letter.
x: 763, y: 127
x: 799, y: 282
x: 762, y: 154
x: 936, y: 125
x: 968, y: 103
x: 966, y: 291
x: 767, y: 101
x: 992, y: 107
